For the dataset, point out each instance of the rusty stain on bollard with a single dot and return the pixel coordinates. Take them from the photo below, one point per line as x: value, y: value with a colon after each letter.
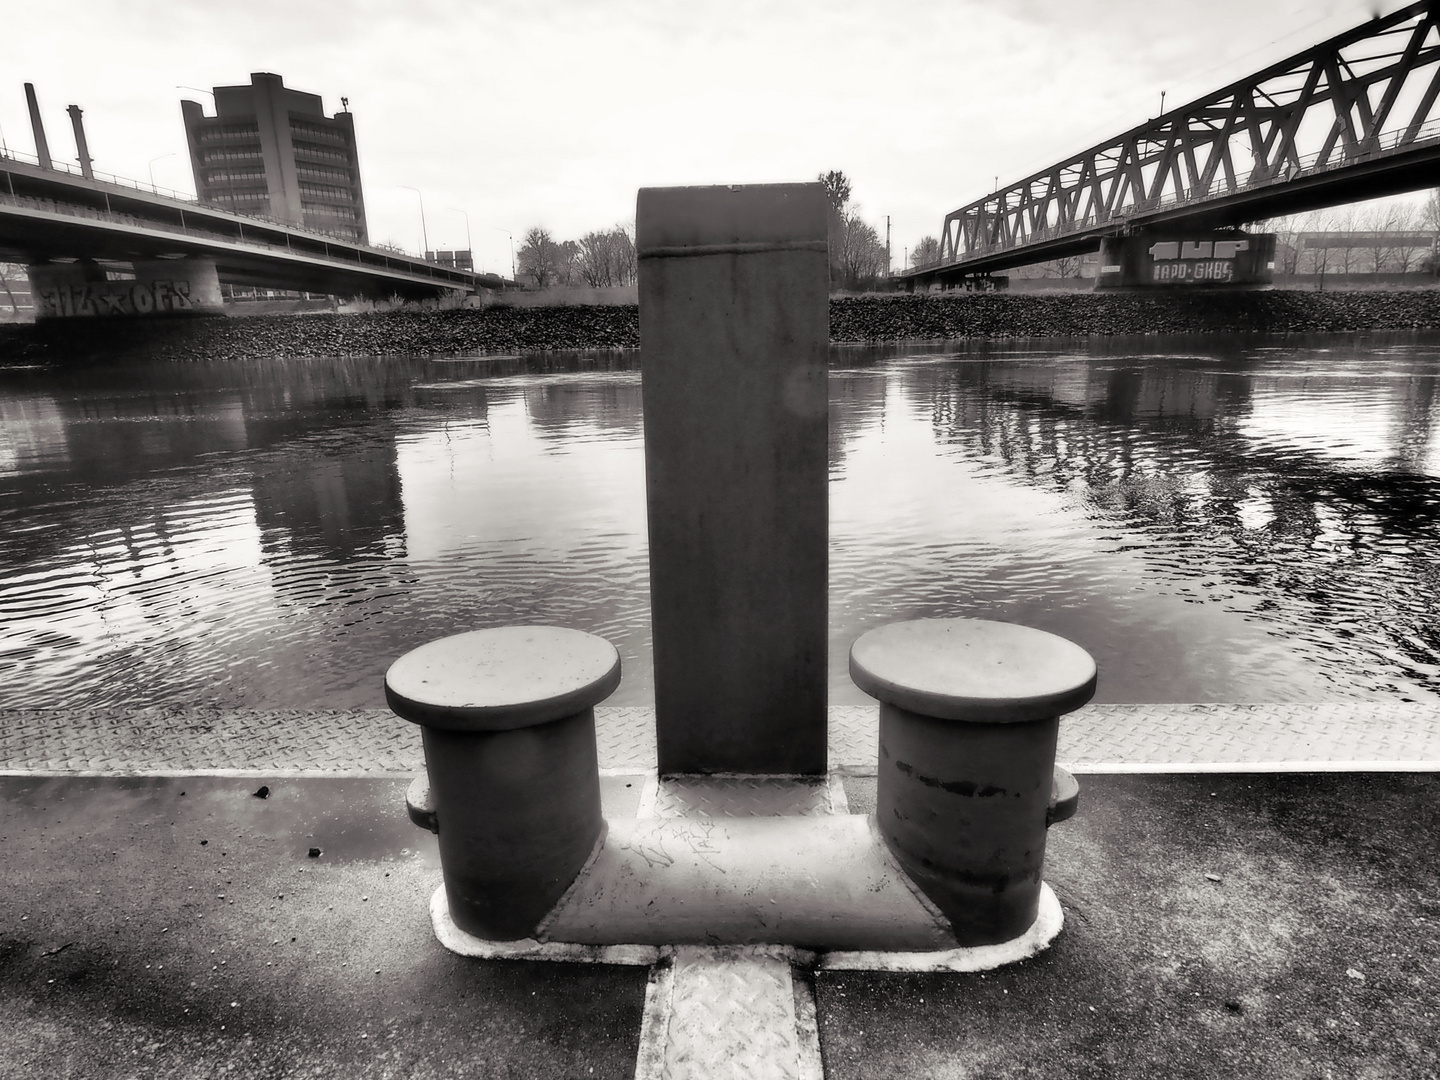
x: 513, y: 788
x: 969, y: 716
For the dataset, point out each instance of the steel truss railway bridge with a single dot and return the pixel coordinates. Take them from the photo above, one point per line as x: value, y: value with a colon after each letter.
x: 54, y: 216
x: 1351, y: 118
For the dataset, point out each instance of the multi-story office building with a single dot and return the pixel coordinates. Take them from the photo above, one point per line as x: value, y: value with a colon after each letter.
x: 273, y: 152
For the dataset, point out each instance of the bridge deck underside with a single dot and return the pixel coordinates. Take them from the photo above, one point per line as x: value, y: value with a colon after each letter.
x: 81, y: 239
x: 45, y: 214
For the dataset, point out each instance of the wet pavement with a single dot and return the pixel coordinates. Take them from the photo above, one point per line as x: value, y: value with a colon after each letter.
x: 1225, y: 924
x: 1216, y: 926
x: 178, y: 927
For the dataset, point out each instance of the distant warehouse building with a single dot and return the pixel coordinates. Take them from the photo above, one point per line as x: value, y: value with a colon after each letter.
x: 273, y: 152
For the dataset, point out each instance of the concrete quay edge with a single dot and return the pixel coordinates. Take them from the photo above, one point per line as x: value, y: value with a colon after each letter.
x: 1256, y: 737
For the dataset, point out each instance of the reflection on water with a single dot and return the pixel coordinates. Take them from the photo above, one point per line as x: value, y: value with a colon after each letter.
x: 1215, y: 521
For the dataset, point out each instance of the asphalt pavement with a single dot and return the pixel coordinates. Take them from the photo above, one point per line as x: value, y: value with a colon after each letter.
x: 1218, y: 924
x: 1221, y: 920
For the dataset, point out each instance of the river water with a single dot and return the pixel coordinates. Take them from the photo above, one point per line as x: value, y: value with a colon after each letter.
x: 1230, y: 520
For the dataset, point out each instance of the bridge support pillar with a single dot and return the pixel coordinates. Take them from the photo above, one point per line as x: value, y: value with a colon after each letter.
x: 1147, y: 260
x: 160, y: 287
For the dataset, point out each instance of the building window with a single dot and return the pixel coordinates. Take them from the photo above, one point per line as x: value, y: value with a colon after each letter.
x: 345, y: 213
x: 232, y: 154
x: 325, y: 191
x: 226, y: 176
x: 315, y: 172
x: 228, y: 132
x: 316, y: 154
x: 301, y: 130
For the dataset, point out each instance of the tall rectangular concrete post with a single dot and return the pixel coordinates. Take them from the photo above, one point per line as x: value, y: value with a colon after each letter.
x: 734, y: 335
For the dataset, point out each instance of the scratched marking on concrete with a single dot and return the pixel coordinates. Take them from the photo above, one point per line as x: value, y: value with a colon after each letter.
x: 732, y: 1012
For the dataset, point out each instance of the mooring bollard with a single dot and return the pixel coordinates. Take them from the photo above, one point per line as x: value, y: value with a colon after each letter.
x: 969, y: 717
x: 508, y: 721
x: 734, y: 317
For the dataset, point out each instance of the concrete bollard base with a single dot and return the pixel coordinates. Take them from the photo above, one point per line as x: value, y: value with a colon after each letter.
x: 1048, y: 923
x: 1035, y: 940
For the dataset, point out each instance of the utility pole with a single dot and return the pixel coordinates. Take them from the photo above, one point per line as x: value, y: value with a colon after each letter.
x: 887, y: 245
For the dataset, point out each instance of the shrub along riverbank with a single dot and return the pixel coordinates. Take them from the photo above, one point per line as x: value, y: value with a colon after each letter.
x: 506, y: 329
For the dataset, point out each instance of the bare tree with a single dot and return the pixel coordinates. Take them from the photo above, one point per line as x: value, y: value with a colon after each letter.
x: 1287, y: 231
x: 837, y: 192
x: 1405, y: 242
x: 567, y: 262
x: 862, y: 252
x: 597, y: 263
x: 1430, y: 220
x: 1067, y: 266
x: 926, y: 253
x: 538, y: 257
x: 10, y: 272
x: 1347, y: 223
x: 1430, y: 213
x: 1322, y: 258
x: 1376, y: 223
x: 607, y: 258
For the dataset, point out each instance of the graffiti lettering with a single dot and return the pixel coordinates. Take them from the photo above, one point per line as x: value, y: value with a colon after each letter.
x: 115, y: 298
x: 1197, y: 249
x: 1211, y: 270
x: 111, y: 303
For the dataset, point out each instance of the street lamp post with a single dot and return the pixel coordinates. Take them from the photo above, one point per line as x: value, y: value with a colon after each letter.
x: 508, y: 233
x: 469, y: 247
x: 424, y: 235
x: 150, y: 165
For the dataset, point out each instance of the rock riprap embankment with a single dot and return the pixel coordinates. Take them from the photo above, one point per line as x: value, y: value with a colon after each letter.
x: 1002, y: 315
x: 502, y: 328
x: 424, y: 333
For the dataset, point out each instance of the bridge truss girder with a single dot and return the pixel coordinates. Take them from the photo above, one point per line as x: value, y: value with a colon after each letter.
x: 1359, y: 104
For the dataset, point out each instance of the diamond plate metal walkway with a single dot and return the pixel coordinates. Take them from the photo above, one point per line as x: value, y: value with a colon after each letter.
x: 715, y: 1013
x: 1098, y: 738
x: 712, y: 1014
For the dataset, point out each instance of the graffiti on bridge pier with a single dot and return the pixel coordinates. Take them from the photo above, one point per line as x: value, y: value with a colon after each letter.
x: 115, y: 298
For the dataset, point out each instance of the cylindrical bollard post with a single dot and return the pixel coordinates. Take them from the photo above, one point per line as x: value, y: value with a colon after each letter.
x: 508, y: 722
x: 969, y: 715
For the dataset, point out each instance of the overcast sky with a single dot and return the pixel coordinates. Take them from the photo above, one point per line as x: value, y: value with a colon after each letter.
x: 554, y: 114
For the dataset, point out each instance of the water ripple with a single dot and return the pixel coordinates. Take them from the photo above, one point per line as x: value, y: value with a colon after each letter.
x: 1226, y: 523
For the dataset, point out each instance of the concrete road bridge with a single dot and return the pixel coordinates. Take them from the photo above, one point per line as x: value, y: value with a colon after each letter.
x: 1351, y: 118
x: 80, y: 234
